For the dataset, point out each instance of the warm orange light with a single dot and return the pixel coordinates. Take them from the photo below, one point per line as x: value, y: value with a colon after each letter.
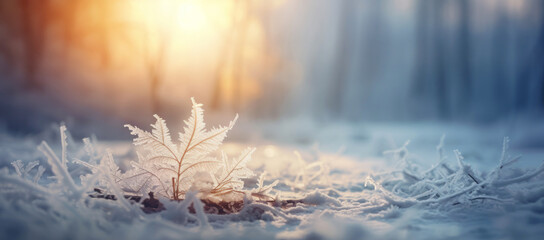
x: 191, y: 17
x: 197, y: 47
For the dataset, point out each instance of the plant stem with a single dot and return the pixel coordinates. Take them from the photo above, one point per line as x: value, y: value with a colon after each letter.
x: 174, y: 189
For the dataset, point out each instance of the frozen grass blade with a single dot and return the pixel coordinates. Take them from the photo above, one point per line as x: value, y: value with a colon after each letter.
x: 59, y: 169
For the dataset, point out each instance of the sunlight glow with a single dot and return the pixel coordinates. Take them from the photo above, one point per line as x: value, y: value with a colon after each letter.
x: 219, y: 51
x: 270, y: 151
x: 191, y: 16
x: 202, y: 44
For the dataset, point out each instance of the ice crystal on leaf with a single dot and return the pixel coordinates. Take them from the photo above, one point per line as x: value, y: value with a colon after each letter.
x: 170, y: 169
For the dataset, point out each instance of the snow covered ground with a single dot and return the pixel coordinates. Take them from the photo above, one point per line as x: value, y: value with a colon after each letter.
x: 355, y: 181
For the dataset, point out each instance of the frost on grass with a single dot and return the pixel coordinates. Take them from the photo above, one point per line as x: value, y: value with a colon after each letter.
x: 53, y: 201
x: 61, y: 203
x: 310, y: 174
x: 263, y: 191
x: 444, y: 185
x: 171, y: 169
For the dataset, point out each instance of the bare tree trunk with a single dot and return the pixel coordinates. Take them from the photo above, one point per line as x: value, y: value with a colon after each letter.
x: 421, y: 78
x: 374, y: 40
x: 154, y: 69
x: 344, y: 43
x: 227, y: 50
x: 499, y: 63
x: 464, y: 55
x: 531, y: 64
x: 155, y: 81
x: 441, y: 92
x: 238, y: 58
x: 238, y: 69
x: 6, y: 50
x: 33, y: 19
x: 69, y: 12
x: 104, y: 31
x: 154, y: 62
x: 541, y: 54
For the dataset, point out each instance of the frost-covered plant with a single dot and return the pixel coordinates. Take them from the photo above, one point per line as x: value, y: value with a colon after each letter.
x: 24, y: 171
x: 263, y: 191
x: 171, y: 169
x: 64, y: 184
x: 442, y: 183
x: 310, y: 173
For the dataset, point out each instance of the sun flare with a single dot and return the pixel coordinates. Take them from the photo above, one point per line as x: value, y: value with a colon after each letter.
x: 190, y: 16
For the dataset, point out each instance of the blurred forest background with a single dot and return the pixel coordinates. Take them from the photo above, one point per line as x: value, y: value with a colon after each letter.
x: 99, y: 63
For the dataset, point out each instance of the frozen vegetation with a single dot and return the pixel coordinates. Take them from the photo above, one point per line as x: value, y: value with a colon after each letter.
x: 86, y: 190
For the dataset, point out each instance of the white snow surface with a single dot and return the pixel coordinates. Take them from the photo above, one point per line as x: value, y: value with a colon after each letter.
x: 354, y: 182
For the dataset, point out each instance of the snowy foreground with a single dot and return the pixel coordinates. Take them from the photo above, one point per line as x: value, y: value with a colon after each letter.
x: 357, y: 183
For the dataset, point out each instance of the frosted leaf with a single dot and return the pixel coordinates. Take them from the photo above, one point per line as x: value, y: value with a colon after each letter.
x: 168, y: 168
x: 232, y: 171
x: 158, y: 141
